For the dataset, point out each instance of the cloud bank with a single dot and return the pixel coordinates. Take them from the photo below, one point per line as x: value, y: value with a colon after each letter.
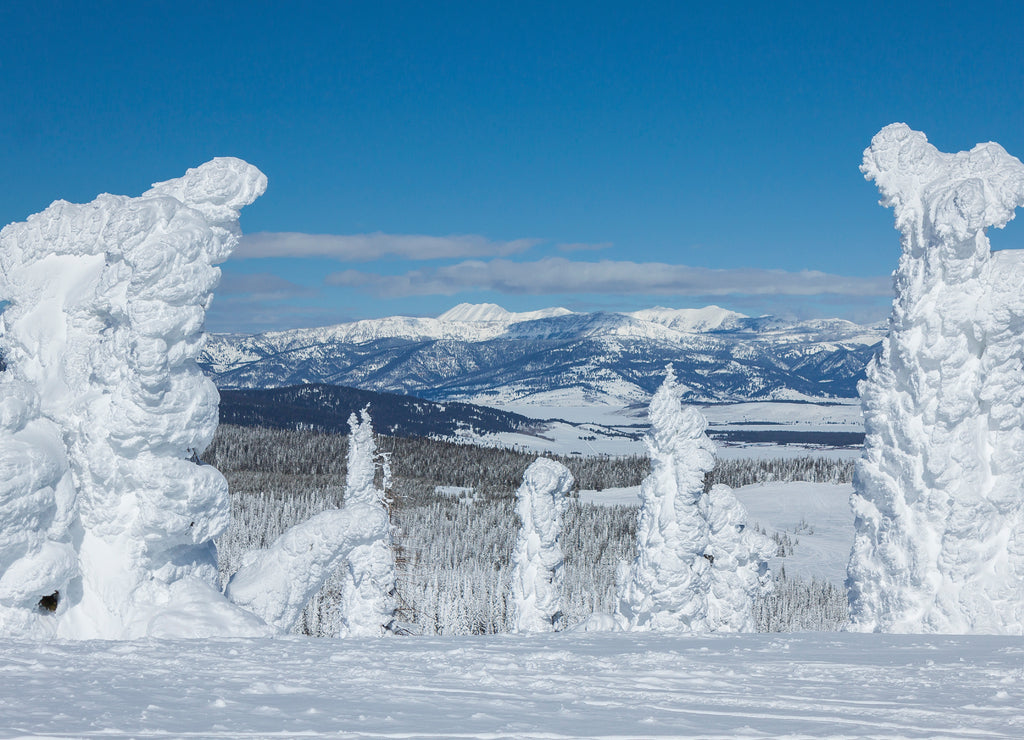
x: 557, y: 275
x: 368, y: 247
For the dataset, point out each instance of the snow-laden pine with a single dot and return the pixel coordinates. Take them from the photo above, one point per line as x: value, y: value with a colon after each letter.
x: 368, y: 582
x: 939, y: 491
x: 537, y: 559
x: 105, y: 312
x: 698, y: 568
x: 276, y: 583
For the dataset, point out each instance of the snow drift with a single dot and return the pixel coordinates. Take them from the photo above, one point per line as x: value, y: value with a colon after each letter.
x: 939, y: 491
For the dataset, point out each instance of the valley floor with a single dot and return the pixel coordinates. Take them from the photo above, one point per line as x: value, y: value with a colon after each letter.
x: 571, y: 685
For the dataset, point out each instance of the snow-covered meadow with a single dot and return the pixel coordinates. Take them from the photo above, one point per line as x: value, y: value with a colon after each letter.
x: 553, y: 686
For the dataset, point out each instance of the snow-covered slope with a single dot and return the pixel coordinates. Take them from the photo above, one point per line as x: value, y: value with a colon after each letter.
x: 542, y: 686
x: 485, y: 354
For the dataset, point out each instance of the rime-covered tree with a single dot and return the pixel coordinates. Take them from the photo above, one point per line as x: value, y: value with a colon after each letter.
x: 666, y: 587
x: 106, y: 302
x: 368, y: 585
x: 697, y: 568
x: 277, y: 582
x: 739, y: 563
x: 939, y: 491
x: 536, y: 593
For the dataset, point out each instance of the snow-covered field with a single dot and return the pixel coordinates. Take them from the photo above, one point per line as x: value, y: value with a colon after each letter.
x: 601, y: 429
x: 816, y: 517
x: 553, y: 686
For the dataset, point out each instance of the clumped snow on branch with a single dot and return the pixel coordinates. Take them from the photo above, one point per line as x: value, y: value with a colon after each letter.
x: 939, y: 491
x: 105, y: 311
x: 697, y: 566
x: 537, y: 558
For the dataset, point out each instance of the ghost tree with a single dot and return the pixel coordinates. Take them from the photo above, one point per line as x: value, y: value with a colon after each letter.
x: 674, y: 582
x: 939, y: 491
x: 104, y: 318
x: 368, y: 584
x: 739, y: 563
x: 536, y: 594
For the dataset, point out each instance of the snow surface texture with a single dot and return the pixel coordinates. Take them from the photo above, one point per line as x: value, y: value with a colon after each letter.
x: 105, y: 311
x: 697, y: 565
x: 537, y: 557
x: 278, y: 582
x: 939, y: 490
x: 551, y: 686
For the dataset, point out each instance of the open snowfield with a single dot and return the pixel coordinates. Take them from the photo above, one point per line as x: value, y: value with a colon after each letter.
x: 815, y: 516
x: 554, y: 686
x: 602, y: 429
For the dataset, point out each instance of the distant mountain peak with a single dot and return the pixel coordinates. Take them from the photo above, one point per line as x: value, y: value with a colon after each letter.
x: 493, y: 313
x: 708, y: 318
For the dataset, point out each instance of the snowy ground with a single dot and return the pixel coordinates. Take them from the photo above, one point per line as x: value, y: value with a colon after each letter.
x: 816, y: 517
x: 553, y: 686
x: 599, y: 429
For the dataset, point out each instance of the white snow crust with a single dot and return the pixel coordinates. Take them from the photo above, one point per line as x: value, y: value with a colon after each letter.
x: 939, y: 491
x: 545, y: 686
x: 537, y: 556
x: 105, y: 316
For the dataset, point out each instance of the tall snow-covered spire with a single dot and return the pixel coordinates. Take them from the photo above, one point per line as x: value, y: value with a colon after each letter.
x: 368, y: 582
x: 697, y: 567
x: 939, y: 490
x: 537, y: 556
x: 667, y: 584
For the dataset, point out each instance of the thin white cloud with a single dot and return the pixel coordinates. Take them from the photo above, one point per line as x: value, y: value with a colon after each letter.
x: 367, y: 247
x: 261, y: 284
x: 583, y: 247
x: 558, y: 275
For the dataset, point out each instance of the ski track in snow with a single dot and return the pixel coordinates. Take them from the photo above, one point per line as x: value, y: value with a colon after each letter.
x: 539, y: 686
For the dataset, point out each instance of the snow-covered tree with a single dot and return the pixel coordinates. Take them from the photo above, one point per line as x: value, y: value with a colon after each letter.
x: 536, y: 588
x: 939, y: 490
x: 37, y: 558
x: 368, y: 585
x: 105, y: 312
x: 276, y: 583
x: 739, y: 563
x: 674, y: 584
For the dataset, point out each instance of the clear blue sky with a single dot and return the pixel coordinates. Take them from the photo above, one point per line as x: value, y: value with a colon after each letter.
x: 592, y: 155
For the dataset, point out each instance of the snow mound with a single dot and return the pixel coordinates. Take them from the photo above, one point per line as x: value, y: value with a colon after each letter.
x: 105, y: 312
x: 939, y: 491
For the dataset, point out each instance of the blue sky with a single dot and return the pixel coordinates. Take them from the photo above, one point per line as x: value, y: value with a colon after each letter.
x: 592, y: 155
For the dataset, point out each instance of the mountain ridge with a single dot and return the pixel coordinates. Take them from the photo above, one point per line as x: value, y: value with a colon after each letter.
x: 485, y: 354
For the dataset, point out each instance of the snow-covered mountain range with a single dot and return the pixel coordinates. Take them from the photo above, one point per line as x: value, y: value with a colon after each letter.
x: 485, y: 354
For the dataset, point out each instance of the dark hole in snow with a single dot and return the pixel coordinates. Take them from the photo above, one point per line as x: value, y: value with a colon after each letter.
x: 49, y: 603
